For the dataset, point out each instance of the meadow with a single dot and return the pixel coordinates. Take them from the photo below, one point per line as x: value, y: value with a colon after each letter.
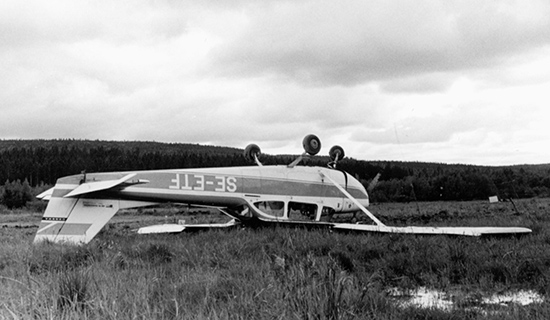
x: 279, y: 273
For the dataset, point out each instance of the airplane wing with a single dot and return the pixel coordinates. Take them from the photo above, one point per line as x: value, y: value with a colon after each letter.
x: 162, y: 228
x: 382, y: 228
x: 177, y: 228
x: 461, y: 231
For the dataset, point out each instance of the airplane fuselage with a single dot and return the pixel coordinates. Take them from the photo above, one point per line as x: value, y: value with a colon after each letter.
x: 81, y: 204
x: 233, y: 186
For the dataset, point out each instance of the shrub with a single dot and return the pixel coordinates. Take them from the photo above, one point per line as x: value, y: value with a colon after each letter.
x: 16, y: 194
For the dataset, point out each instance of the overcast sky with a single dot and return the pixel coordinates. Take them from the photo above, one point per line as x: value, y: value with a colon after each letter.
x: 438, y: 81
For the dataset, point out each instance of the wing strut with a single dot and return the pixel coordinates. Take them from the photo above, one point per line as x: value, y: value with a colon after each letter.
x: 357, y: 203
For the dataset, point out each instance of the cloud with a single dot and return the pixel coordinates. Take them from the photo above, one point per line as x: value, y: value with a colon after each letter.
x: 419, y: 84
x: 353, y: 42
x: 433, y: 81
x: 63, y: 21
x: 462, y: 109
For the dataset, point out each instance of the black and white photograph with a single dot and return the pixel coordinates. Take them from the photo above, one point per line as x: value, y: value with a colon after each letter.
x: 164, y: 159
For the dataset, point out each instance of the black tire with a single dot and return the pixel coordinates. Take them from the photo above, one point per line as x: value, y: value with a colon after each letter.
x: 336, y: 152
x: 251, y: 151
x: 312, y: 144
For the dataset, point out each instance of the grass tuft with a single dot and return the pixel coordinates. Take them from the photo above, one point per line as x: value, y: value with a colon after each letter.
x: 49, y: 257
x: 158, y: 254
x: 74, y: 291
x: 343, y: 260
x: 151, y: 253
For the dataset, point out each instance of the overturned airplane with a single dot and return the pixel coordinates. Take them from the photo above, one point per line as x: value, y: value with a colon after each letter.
x: 80, y: 205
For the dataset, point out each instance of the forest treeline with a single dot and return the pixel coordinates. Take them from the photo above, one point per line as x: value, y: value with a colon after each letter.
x: 38, y: 163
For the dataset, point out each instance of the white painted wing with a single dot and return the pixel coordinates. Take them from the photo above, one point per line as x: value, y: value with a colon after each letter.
x: 381, y: 227
x: 162, y: 228
x: 462, y: 231
x: 177, y: 228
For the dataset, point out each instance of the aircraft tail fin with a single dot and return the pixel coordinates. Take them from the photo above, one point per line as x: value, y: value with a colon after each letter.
x: 77, y: 212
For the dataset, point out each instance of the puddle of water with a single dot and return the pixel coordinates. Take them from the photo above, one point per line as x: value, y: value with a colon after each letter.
x: 422, y: 297
x: 428, y: 298
x: 521, y: 297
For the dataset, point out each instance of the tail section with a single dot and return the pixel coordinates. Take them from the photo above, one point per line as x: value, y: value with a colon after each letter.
x: 75, y: 220
x: 76, y: 212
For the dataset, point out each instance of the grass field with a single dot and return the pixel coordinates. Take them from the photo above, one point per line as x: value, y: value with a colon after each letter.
x: 279, y: 273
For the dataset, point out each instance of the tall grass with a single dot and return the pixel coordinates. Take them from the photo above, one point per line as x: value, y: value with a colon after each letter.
x: 275, y: 273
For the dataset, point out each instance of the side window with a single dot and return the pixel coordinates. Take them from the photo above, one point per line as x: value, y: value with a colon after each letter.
x: 272, y: 208
x: 327, y: 213
x: 301, y: 211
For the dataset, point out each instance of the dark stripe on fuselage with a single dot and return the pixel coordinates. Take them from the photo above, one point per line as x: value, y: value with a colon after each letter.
x: 296, y: 188
x: 253, y: 186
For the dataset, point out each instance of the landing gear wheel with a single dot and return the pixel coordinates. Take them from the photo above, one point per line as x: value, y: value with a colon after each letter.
x: 336, y: 153
x: 312, y: 144
x: 251, y: 152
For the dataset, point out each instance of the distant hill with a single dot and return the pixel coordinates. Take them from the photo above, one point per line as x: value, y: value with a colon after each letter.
x: 43, y: 161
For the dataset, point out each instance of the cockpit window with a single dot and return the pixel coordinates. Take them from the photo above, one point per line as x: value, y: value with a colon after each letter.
x: 272, y: 208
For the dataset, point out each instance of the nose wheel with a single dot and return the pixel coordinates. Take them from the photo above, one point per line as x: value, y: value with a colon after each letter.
x: 335, y: 153
x: 252, y: 153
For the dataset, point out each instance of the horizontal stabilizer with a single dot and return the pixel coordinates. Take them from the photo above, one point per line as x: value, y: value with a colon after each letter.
x: 462, y: 231
x: 90, y: 187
